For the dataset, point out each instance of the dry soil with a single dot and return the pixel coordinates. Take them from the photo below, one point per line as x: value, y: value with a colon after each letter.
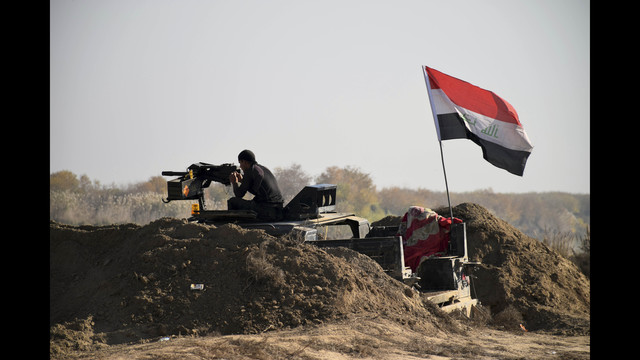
x: 124, y: 292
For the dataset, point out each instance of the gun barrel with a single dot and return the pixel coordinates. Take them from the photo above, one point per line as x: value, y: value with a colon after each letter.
x: 174, y: 173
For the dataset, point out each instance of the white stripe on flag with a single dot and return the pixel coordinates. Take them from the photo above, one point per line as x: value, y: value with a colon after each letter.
x: 505, y: 134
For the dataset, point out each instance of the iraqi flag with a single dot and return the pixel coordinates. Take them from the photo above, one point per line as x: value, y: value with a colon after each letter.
x: 465, y: 111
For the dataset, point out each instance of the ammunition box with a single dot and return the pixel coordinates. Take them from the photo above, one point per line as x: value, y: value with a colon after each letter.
x: 184, y: 189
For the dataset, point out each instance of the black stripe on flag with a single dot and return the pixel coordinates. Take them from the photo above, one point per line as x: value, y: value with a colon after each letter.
x: 514, y: 161
x: 452, y: 126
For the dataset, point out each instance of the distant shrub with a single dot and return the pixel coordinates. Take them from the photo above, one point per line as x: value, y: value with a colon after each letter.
x: 99, y: 208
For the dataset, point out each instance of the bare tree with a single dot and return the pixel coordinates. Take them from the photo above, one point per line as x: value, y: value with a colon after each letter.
x: 291, y: 180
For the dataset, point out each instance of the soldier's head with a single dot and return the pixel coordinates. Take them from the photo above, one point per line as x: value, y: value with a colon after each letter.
x: 246, y: 158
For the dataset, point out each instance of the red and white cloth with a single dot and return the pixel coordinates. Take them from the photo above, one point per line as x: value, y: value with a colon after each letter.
x: 424, y: 234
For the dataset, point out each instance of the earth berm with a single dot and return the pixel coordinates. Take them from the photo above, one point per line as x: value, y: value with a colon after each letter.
x: 124, y: 291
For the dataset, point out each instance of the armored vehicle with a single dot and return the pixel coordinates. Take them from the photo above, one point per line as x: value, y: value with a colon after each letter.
x: 311, y: 215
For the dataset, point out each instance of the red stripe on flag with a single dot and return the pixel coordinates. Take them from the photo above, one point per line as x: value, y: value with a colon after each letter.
x: 473, y: 98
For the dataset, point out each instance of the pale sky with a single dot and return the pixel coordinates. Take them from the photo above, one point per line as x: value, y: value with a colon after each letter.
x: 138, y: 87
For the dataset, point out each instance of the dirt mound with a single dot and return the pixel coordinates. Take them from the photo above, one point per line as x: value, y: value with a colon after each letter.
x: 124, y: 283
x: 547, y: 291
x: 127, y: 283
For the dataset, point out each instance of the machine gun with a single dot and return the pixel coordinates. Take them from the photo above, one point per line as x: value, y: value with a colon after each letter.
x: 191, y: 183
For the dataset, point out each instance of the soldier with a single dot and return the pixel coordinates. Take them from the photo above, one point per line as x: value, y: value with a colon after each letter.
x: 259, y: 181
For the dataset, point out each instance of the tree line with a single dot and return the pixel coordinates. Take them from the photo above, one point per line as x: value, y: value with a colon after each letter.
x: 78, y: 200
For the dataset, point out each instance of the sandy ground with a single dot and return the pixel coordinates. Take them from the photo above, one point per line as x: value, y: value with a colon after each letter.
x: 355, y: 339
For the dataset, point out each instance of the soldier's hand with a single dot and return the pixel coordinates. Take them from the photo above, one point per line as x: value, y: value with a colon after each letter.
x: 234, y: 177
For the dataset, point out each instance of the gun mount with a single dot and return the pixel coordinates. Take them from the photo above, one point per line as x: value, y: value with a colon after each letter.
x: 190, y: 184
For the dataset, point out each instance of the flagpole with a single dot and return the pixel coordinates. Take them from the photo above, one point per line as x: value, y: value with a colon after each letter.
x: 445, y: 181
x: 435, y: 120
